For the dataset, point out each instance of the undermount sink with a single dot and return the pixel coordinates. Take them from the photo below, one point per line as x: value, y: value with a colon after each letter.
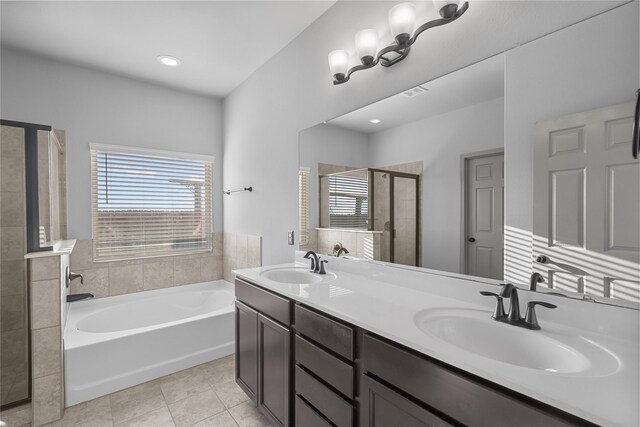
x: 298, y: 276
x: 476, y: 332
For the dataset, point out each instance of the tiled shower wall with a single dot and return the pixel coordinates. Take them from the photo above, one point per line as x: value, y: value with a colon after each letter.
x: 14, y: 356
x: 104, y: 279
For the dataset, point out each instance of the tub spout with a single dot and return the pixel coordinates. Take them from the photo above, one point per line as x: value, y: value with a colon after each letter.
x: 78, y: 297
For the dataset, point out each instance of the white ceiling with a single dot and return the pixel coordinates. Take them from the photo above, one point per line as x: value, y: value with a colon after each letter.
x: 471, y: 85
x: 220, y: 43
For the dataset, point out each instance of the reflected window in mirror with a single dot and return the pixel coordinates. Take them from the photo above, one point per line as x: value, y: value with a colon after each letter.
x: 303, y: 205
x: 349, y: 201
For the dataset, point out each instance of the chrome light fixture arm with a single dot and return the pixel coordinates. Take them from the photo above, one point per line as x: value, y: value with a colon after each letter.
x: 401, y: 49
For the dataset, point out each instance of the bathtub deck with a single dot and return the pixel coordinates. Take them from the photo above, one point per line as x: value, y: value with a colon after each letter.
x: 203, y: 395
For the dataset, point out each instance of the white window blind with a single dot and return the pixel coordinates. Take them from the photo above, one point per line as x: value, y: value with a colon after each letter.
x: 348, y: 202
x: 149, y: 203
x: 303, y: 205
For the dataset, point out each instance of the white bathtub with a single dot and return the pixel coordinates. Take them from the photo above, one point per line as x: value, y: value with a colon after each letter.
x: 117, y: 342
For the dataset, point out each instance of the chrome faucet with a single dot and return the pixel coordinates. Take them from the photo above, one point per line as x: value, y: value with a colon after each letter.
x: 530, y: 320
x: 73, y: 276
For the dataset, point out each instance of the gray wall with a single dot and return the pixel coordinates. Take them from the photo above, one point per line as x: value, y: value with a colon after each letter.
x: 332, y: 145
x: 590, y: 65
x: 293, y: 91
x: 439, y: 141
x: 93, y: 106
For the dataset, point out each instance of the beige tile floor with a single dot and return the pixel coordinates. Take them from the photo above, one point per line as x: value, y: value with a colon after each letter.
x: 202, y: 396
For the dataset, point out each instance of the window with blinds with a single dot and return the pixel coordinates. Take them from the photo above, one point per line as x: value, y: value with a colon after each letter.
x: 303, y: 205
x: 149, y: 203
x: 348, y: 202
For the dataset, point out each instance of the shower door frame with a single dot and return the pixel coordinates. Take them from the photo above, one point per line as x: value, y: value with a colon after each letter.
x: 32, y: 238
x: 372, y: 202
x: 32, y: 206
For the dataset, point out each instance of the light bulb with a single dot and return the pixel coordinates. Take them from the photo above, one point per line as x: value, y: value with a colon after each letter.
x: 402, y: 18
x: 367, y: 45
x: 446, y: 8
x: 338, y: 64
x: 170, y: 61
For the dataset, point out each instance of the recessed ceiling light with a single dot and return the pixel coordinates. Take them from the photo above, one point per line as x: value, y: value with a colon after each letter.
x: 375, y: 121
x: 168, y: 60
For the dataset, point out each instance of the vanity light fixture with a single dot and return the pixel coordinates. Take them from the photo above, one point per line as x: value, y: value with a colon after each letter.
x: 402, y: 18
x: 169, y: 61
x: 375, y: 121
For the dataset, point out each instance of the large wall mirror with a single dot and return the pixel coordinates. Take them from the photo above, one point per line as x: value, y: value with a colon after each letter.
x: 515, y: 165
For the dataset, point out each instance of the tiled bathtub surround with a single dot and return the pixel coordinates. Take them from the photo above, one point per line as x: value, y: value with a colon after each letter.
x: 240, y: 251
x: 47, y: 298
x: 104, y: 279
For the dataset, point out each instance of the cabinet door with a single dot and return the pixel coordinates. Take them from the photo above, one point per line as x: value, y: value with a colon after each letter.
x: 382, y: 407
x: 247, y: 349
x: 274, y: 369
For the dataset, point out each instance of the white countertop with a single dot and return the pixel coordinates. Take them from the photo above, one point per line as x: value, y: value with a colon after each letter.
x: 385, y: 299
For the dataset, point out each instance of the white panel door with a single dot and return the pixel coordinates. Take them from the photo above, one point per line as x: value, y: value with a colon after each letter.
x: 484, y: 216
x: 587, y: 203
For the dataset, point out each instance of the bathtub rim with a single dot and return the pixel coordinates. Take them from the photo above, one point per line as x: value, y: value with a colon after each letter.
x: 74, y: 338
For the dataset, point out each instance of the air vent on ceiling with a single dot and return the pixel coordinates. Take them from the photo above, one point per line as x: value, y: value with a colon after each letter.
x: 418, y: 90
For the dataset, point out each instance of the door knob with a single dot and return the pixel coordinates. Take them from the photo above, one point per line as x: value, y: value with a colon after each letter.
x: 472, y: 239
x: 542, y: 259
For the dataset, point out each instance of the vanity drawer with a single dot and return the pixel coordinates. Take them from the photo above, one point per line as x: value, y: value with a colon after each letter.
x: 456, y: 394
x: 332, y: 406
x: 327, y: 332
x: 306, y: 416
x: 272, y: 305
x: 326, y: 366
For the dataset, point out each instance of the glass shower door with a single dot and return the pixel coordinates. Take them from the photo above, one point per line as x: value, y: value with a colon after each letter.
x: 382, y: 212
x: 405, y: 214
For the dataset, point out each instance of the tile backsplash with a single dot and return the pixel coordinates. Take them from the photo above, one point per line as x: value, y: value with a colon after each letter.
x: 102, y: 279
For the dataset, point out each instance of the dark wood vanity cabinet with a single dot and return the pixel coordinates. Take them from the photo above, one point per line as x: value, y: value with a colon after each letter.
x: 325, y: 369
x: 263, y: 350
x: 424, y: 392
x: 247, y: 349
x: 305, y: 368
x: 382, y: 407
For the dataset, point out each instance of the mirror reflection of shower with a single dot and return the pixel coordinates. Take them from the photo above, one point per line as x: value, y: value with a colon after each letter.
x: 374, y: 213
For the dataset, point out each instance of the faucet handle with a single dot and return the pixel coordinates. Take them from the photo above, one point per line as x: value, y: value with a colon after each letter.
x: 321, y: 263
x: 530, y: 318
x: 73, y: 276
x: 498, y: 313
